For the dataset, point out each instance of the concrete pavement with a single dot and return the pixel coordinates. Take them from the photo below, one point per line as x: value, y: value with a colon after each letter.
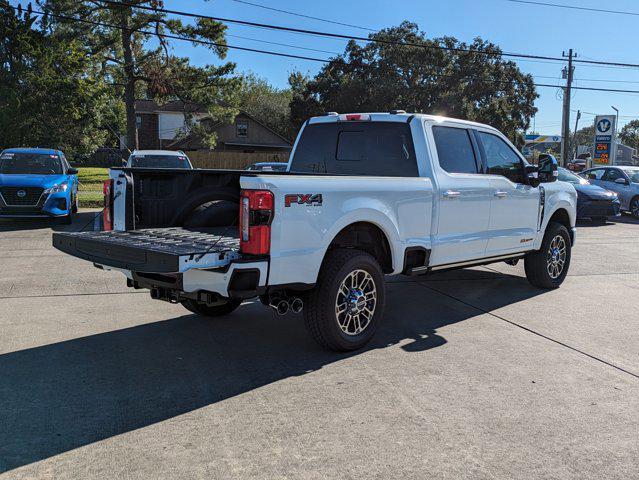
x: 474, y: 374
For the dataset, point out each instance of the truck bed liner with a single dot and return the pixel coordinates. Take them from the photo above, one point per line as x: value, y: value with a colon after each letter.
x: 154, y: 250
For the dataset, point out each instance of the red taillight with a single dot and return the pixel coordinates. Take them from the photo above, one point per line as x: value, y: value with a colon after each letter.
x: 256, y: 214
x: 107, y: 213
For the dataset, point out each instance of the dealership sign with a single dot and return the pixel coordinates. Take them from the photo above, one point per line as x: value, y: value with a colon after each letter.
x: 604, y: 140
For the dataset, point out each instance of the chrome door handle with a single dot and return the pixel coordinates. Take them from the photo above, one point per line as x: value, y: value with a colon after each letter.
x: 451, y: 194
x: 501, y: 194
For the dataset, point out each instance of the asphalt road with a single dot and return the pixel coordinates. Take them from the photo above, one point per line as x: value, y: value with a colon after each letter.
x: 474, y: 374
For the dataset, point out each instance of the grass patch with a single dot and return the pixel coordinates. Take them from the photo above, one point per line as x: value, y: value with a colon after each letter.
x: 90, y: 199
x: 90, y: 190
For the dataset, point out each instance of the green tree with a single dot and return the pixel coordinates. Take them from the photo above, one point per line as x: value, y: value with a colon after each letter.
x: 48, y: 96
x: 629, y: 134
x: 469, y: 81
x: 268, y: 104
x: 131, y: 46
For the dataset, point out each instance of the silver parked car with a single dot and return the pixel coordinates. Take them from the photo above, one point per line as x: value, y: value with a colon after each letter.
x: 622, y: 180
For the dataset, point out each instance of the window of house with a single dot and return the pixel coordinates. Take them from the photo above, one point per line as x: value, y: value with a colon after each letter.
x: 241, y: 128
x: 455, y: 150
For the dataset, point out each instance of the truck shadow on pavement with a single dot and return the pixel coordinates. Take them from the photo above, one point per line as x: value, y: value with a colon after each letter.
x: 58, y: 397
x: 80, y: 220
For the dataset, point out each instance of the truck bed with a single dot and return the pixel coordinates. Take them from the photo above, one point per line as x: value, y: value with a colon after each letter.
x: 154, y: 250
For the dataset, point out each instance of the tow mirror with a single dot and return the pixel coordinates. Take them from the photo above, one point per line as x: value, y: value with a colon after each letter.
x: 548, y: 168
x: 532, y: 175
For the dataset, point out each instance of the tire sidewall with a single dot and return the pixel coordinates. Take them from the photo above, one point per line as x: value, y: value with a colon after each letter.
x: 331, y: 287
x: 552, y: 233
x: 634, y: 201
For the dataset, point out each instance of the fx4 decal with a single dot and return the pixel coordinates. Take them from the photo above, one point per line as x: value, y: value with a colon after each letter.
x: 312, y: 199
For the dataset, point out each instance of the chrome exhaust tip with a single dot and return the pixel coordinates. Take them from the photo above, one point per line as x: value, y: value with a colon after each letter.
x: 282, y: 307
x: 297, y: 305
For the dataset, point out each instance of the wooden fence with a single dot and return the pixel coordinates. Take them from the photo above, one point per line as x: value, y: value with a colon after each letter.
x: 232, y: 160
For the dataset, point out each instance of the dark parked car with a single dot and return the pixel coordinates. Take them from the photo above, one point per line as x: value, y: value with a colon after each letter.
x: 593, y: 202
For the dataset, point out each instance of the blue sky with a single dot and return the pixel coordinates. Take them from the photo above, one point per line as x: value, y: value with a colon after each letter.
x: 514, y: 27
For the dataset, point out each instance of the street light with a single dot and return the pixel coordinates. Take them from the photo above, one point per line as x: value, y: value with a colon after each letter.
x: 613, y: 146
x: 616, y: 118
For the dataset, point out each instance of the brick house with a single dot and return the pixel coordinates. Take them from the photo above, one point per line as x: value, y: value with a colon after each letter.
x: 164, y: 127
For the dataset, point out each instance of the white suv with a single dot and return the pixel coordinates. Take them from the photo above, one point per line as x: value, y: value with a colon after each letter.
x: 159, y: 159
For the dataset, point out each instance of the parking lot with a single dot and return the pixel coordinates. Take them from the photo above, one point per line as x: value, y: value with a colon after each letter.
x: 474, y: 374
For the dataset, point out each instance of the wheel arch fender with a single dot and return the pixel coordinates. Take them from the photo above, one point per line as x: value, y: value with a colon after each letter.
x: 386, y: 225
x: 563, y: 212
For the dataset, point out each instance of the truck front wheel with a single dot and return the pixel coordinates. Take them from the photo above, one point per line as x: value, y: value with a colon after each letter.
x: 200, y: 308
x: 344, y: 310
x: 548, y: 267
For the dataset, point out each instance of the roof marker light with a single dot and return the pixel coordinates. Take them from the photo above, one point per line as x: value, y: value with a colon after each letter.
x: 355, y: 117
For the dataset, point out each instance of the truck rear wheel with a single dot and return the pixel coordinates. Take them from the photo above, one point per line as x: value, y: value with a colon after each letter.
x: 344, y: 310
x: 548, y: 267
x: 200, y: 308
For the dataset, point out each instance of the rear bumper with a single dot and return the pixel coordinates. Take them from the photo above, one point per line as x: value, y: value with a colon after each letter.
x: 238, y: 280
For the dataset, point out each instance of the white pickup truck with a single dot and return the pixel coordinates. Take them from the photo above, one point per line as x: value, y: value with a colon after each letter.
x: 364, y: 195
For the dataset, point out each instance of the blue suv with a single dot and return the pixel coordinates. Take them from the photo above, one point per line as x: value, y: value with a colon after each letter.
x: 37, y: 183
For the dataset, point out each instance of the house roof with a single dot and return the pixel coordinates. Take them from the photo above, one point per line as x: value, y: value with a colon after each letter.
x: 175, y: 106
x: 178, y: 106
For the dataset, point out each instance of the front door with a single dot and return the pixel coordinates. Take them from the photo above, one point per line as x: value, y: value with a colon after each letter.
x: 514, y: 211
x: 624, y: 190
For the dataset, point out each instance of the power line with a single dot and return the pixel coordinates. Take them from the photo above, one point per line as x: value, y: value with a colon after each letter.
x: 364, y: 39
x: 303, y: 16
x: 280, y: 54
x: 574, y: 7
x: 284, y: 44
x: 328, y: 34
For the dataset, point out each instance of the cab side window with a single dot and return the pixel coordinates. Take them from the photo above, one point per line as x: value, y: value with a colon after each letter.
x: 612, y: 174
x: 455, y: 150
x: 595, y: 174
x: 501, y: 159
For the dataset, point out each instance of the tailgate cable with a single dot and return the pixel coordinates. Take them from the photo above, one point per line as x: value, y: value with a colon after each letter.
x: 208, y: 250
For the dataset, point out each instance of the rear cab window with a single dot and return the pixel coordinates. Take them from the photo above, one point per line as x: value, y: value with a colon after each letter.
x: 372, y: 148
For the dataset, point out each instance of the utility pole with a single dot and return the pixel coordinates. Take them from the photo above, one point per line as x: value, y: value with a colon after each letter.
x: 575, y: 136
x: 565, y: 122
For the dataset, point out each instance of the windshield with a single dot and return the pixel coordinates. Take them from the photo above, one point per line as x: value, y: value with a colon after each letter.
x: 160, y: 161
x: 633, y: 175
x: 23, y: 163
x: 568, y: 176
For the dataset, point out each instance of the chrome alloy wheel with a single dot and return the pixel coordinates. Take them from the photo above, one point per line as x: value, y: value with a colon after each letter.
x: 355, y: 303
x: 556, y: 258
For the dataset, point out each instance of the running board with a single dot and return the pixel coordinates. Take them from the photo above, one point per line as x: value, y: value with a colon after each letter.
x: 470, y: 263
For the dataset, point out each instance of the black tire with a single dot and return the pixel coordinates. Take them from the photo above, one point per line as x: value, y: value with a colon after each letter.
x: 205, y: 310
x: 320, y: 316
x: 634, y: 207
x: 537, y: 264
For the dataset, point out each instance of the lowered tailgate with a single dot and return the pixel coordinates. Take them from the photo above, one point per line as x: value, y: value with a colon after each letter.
x: 154, y: 250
